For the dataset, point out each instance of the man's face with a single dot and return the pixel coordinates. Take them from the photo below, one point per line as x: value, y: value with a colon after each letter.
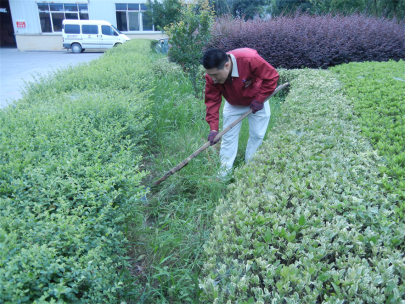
x: 220, y: 76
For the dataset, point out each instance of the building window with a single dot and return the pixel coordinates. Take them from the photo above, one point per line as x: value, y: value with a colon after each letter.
x: 51, y: 15
x: 132, y: 17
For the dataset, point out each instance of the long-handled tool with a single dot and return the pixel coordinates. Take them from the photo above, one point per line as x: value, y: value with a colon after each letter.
x: 207, y: 144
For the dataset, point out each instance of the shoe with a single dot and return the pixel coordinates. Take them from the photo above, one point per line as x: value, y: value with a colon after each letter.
x: 224, y: 175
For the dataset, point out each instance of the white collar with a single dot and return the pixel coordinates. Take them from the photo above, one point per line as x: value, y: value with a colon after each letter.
x: 235, y: 72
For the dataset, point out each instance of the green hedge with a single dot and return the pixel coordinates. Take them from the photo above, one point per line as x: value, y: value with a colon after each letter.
x: 70, y: 152
x: 308, y: 220
x: 377, y: 91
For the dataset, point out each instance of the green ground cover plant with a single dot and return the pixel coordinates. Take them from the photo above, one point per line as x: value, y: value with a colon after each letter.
x: 377, y: 91
x: 309, y: 221
x: 70, y: 152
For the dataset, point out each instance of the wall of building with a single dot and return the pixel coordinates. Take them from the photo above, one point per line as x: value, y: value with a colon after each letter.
x: 39, y: 43
x: 104, y: 10
x: 27, y: 11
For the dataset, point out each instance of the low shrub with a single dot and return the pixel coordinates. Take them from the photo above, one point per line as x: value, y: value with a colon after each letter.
x: 69, y: 180
x: 313, y: 41
x: 126, y: 67
x: 377, y: 91
x: 164, y: 68
x: 308, y: 221
x: 153, y: 44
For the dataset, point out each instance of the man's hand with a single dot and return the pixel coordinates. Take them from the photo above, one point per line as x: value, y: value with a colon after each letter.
x: 211, y: 137
x: 256, y: 106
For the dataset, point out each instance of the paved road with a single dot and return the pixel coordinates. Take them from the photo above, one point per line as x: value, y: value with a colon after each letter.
x: 17, y: 67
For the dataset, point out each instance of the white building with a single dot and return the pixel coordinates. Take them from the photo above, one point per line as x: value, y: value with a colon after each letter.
x: 38, y: 24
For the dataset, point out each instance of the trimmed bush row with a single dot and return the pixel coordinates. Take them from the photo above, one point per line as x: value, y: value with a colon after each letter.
x: 307, y: 221
x: 377, y: 91
x: 314, y: 41
x: 69, y: 178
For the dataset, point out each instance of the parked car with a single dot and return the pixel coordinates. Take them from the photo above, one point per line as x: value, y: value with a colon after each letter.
x: 79, y: 35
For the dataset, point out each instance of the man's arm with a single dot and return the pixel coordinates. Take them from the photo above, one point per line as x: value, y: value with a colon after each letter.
x: 269, y: 76
x: 213, y: 99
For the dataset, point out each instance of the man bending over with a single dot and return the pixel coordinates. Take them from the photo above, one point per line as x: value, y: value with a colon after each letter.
x: 245, y: 80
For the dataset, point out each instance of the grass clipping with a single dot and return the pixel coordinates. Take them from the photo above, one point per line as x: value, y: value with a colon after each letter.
x: 307, y: 221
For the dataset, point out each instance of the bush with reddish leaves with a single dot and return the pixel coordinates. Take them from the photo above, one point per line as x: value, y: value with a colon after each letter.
x: 314, y: 41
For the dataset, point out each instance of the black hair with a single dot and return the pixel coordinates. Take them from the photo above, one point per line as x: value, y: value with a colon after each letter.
x: 214, y: 58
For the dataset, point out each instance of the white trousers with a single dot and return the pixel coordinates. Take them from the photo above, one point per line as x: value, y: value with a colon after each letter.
x: 258, y: 124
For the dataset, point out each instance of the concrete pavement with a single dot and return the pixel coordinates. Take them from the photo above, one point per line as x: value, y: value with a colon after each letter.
x: 17, y: 67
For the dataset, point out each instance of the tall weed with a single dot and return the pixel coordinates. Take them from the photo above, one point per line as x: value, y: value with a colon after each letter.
x: 167, y: 254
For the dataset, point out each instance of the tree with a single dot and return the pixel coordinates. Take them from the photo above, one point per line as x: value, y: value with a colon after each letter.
x: 388, y: 8
x: 221, y: 7
x: 188, y: 38
x: 247, y: 8
x: 164, y: 13
x: 289, y: 6
x: 341, y: 6
x: 379, y: 8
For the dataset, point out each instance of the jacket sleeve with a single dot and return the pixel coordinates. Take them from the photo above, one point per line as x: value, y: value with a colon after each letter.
x: 269, y: 76
x: 213, y: 99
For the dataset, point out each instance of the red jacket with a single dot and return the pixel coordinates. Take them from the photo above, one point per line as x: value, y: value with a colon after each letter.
x: 257, y: 79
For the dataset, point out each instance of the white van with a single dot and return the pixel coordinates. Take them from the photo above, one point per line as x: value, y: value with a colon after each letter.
x: 79, y: 35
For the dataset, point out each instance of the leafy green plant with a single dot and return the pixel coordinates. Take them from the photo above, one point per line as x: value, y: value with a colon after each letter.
x: 377, y: 93
x: 308, y: 221
x: 70, y: 152
x: 163, y: 68
x: 188, y: 38
x: 153, y: 44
